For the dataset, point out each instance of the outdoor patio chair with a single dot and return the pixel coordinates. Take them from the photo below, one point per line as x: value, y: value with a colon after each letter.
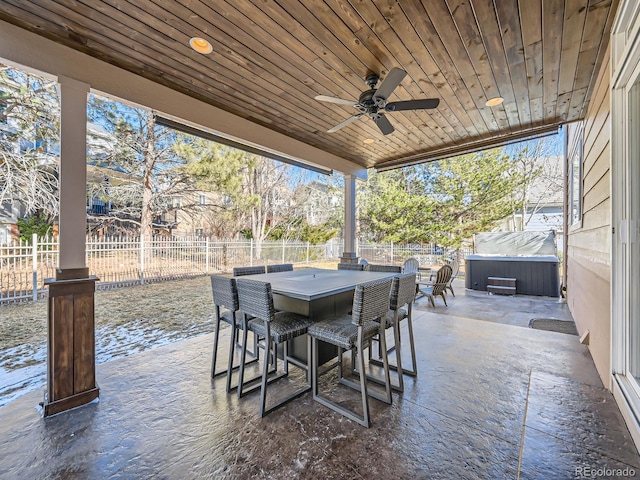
x: 373, y: 267
x: 282, y: 267
x: 402, y: 295
x: 411, y: 265
x: 438, y: 287
x: 350, y: 266
x: 455, y: 269
x: 225, y: 300
x: 353, y: 332
x: 241, y: 271
x: 364, y: 263
x: 256, y: 299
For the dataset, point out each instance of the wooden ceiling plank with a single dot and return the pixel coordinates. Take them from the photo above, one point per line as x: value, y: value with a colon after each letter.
x: 289, y: 73
x: 574, y: 21
x: 419, y: 121
x: 487, y: 21
x: 465, y: 24
x: 412, y: 34
x: 509, y: 20
x: 419, y: 35
x: 376, y: 30
x: 597, y: 6
x: 281, y: 17
x: 260, y: 113
x: 267, y: 109
x: 531, y: 27
x: 552, y: 31
x: 288, y: 78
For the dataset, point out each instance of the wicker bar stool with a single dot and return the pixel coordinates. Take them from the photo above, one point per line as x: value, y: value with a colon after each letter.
x: 256, y: 299
x: 374, y: 267
x: 241, y: 271
x: 281, y: 267
x: 353, y: 332
x: 225, y: 300
x: 400, y: 308
x: 350, y: 266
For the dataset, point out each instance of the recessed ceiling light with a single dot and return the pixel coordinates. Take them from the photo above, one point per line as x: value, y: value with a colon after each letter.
x: 368, y: 140
x: 495, y: 101
x: 201, y: 45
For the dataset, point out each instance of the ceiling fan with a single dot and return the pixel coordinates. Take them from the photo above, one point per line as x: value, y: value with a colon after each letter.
x: 373, y: 102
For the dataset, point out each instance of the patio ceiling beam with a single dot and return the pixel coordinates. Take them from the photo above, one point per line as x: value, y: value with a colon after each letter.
x: 433, y: 156
x: 197, y: 132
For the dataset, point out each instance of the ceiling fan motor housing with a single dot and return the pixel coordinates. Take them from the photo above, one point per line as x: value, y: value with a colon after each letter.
x: 369, y: 103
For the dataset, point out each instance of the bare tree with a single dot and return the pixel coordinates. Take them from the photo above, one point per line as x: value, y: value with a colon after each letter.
x: 29, y: 125
x: 541, y: 178
x: 148, y: 170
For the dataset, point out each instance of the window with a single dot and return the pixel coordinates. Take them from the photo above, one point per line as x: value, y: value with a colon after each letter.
x: 202, y: 199
x: 176, y: 202
x: 575, y: 179
x: 199, y: 232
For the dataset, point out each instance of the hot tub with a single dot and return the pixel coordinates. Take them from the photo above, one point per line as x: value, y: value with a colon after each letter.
x: 534, y: 274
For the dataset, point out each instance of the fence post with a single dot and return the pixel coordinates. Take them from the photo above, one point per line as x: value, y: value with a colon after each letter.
x: 34, y: 255
x: 283, y: 250
x: 141, y: 259
x: 307, y: 252
x: 392, y: 252
x: 251, y: 253
x: 206, y: 255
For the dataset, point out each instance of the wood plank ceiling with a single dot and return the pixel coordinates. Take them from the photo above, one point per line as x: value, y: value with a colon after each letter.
x: 271, y: 58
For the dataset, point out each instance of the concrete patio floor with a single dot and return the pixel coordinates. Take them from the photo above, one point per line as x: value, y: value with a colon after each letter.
x: 492, y: 400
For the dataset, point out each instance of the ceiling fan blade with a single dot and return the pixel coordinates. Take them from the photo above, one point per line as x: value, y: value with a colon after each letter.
x: 423, y: 104
x: 383, y: 124
x: 344, y: 124
x: 341, y: 101
x: 390, y: 82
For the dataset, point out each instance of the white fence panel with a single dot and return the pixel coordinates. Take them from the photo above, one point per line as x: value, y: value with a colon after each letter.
x: 119, y: 261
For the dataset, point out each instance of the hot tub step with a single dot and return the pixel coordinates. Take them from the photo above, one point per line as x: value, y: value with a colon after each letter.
x: 501, y: 289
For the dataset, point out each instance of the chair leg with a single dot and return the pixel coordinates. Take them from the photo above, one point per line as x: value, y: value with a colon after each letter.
x: 433, y: 303
x: 413, y: 348
x: 265, y: 373
x: 216, y: 336
x: 366, y: 420
x: 450, y: 287
x: 398, y: 341
x: 363, y: 420
x: 234, y: 334
x: 444, y: 298
x: 243, y: 357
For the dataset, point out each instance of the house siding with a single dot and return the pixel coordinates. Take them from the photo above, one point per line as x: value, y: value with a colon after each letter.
x: 589, y: 242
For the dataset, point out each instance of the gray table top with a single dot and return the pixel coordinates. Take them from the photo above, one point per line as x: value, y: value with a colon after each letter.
x: 313, y: 283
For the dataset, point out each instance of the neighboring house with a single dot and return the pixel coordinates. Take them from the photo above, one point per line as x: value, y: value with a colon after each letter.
x: 545, y: 206
x: 9, y: 214
x: 319, y: 205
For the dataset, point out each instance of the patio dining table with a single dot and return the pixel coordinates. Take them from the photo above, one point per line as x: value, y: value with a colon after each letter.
x: 317, y: 293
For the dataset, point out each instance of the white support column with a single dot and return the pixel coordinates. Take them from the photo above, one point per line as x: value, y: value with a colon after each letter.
x: 349, y: 254
x: 73, y: 175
